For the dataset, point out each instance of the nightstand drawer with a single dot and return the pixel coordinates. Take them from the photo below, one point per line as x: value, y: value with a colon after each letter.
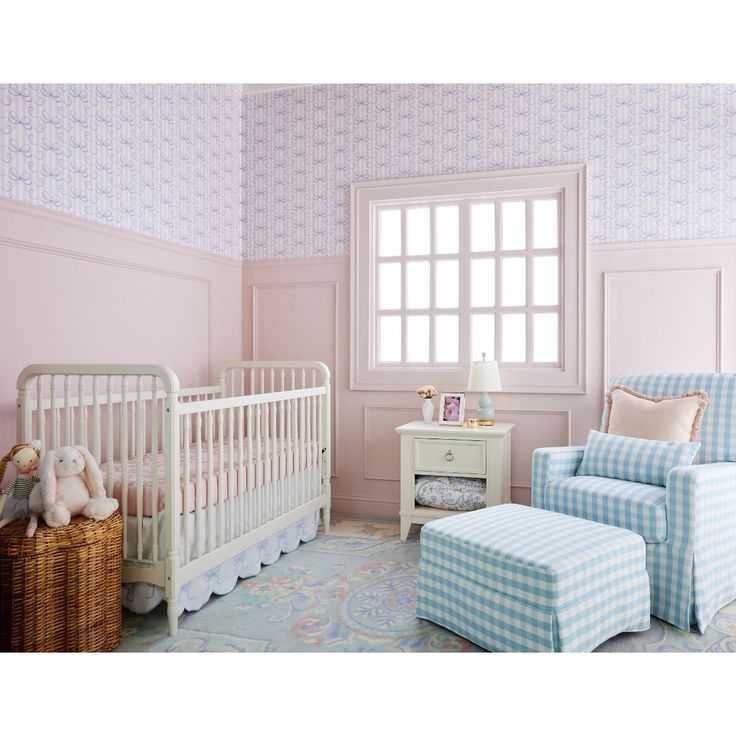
x: 449, y: 456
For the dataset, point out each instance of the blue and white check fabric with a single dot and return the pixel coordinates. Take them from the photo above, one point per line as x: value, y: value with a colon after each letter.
x: 693, y: 571
x: 634, y: 459
x: 515, y: 578
x: 717, y: 434
x: 636, y: 506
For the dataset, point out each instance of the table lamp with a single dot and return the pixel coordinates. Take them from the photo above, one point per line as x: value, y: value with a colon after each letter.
x: 484, y: 377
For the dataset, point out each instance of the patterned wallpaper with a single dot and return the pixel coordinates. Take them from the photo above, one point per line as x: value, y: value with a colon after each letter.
x: 163, y: 160
x: 166, y: 160
x: 662, y: 158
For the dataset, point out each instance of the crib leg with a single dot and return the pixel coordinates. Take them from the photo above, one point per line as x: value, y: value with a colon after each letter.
x: 172, y: 609
x: 326, y: 519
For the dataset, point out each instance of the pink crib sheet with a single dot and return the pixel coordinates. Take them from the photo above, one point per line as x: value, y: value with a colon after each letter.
x: 205, y: 495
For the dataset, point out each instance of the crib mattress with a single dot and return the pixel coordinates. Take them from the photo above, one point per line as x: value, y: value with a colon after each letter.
x: 211, y: 490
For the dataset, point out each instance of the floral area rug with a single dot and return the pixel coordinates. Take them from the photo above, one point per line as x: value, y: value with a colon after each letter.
x: 353, y: 590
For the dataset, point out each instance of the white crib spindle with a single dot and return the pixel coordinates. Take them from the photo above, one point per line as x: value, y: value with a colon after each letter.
x: 110, y: 438
x: 198, y: 487
x: 259, y: 469
x: 308, y: 447
x: 96, y: 441
x: 289, y: 458
x: 140, y: 449
x: 230, y: 478
x: 282, y: 456
x: 267, y: 464
x: 221, y: 480
x: 154, y: 467
x: 123, y: 454
x: 250, y: 485
x: 211, y: 510
x: 67, y: 413
x: 186, y: 495
x: 40, y: 413
x: 81, y: 413
x: 241, y: 479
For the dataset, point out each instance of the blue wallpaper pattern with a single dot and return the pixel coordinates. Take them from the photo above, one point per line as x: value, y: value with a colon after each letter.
x: 266, y: 175
x: 162, y: 160
x: 662, y: 158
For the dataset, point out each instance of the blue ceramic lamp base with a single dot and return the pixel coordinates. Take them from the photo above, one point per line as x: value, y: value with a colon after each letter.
x: 486, y: 414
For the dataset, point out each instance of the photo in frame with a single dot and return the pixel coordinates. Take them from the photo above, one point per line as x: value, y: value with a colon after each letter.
x: 452, y: 408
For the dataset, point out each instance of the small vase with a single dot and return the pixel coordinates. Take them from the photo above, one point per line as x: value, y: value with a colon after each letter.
x: 428, y: 410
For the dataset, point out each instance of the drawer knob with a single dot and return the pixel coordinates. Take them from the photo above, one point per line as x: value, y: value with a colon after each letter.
x: 449, y: 456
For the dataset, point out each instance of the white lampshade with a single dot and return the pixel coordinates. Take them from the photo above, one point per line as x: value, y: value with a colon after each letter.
x: 484, y: 376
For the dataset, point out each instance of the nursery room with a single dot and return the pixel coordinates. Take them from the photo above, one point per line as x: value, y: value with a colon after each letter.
x: 385, y: 363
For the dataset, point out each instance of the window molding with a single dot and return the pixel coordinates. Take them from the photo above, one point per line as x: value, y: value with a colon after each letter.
x: 567, y: 181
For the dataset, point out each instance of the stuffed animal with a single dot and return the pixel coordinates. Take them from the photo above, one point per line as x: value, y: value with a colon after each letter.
x: 71, y: 484
x: 14, y: 499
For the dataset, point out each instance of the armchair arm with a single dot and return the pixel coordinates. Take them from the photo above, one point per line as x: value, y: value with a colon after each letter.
x: 552, y: 462
x: 701, y: 504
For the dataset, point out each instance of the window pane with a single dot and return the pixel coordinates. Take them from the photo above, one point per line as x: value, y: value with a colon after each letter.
x: 483, y: 339
x: 482, y: 227
x: 446, y: 338
x: 389, y: 286
x: 417, y: 339
x: 545, y: 280
x: 417, y: 285
x: 513, y: 334
x: 513, y: 282
x: 513, y: 221
x: 447, y: 228
x: 389, y: 233
x: 482, y: 282
x: 446, y: 284
x: 417, y: 231
x: 544, y: 218
x: 545, y: 338
x: 389, y: 339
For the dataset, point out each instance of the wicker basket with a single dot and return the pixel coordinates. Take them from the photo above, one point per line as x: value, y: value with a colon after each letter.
x: 60, y: 590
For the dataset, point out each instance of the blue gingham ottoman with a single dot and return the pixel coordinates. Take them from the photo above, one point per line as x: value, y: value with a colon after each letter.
x: 519, y: 579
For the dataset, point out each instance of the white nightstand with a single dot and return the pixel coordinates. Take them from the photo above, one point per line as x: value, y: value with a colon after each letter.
x: 428, y: 449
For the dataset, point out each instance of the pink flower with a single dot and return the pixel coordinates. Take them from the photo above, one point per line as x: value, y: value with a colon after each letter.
x: 427, y: 392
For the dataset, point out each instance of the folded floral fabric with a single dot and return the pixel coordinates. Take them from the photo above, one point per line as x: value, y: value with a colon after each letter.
x: 452, y: 494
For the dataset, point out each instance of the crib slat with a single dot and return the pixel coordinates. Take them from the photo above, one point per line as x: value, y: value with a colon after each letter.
x: 185, y: 495
x: 140, y: 440
x: 266, y: 465
x: 81, y: 413
x: 154, y: 468
x: 289, y: 457
x: 230, y: 478
x: 282, y: 456
x: 250, y: 477
x: 68, y: 440
x: 96, y: 440
x: 308, y: 446
x: 40, y: 413
x: 320, y: 445
x: 210, y: 482
x: 241, y: 479
x: 198, y: 488
x: 259, y: 469
x: 221, y: 481
x: 110, y: 438
x: 123, y: 454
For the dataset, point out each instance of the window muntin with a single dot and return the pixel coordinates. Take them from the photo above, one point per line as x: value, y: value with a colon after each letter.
x: 453, y: 294
x: 554, y: 361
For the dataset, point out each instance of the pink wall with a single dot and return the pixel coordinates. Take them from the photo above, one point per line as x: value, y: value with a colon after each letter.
x: 300, y: 309
x: 76, y: 291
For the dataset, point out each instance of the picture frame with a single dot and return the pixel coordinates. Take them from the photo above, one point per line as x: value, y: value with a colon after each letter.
x: 452, y: 408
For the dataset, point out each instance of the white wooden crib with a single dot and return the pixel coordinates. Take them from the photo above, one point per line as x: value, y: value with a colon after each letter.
x: 202, y: 474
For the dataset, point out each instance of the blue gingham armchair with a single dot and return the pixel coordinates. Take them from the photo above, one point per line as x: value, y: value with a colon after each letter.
x: 689, y: 526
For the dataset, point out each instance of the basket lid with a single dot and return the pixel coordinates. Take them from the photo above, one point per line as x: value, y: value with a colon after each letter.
x: 80, y: 532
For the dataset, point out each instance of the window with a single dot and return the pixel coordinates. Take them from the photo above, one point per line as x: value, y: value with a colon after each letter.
x: 447, y: 268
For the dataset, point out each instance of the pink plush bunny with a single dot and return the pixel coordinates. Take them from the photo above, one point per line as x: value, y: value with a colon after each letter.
x: 71, y: 484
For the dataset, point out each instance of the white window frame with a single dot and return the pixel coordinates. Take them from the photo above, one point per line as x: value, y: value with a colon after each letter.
x: 566, y: 181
